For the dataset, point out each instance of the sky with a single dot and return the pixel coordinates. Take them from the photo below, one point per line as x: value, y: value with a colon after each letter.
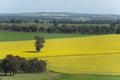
x: 75, y: 6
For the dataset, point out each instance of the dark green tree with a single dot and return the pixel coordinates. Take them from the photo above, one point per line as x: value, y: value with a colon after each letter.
x: 42, y: 66
x: 55, y: 22
x: 14, y: 64
x: 36, y: 21
x: 9, y: 64
x: 39, y: 43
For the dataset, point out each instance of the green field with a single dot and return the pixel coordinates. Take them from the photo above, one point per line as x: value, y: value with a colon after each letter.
x: 87, y: 77
x: 51, y: 76
x: 86, y: 25
x: 42, y: 76
x: 17, y: 36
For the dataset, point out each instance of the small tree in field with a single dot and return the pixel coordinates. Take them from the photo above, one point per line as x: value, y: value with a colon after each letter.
x: 55, y: 22
x: 39, y: 43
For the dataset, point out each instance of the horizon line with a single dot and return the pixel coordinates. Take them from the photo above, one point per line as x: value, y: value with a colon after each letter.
x: 57, y: 12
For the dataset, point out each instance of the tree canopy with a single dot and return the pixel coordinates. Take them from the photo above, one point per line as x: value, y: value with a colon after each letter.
x: 14, y: 64
x: 39, y: 43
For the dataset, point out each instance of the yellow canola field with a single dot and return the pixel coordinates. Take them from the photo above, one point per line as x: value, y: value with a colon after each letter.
x: 85, y: 55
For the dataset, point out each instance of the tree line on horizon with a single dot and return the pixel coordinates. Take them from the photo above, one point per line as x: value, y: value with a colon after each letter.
x: 84, y: 29
x: 62, y: 20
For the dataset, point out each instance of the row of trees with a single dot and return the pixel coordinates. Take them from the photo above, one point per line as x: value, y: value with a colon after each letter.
x: 91, y: 21
x: 67, y: 20
x: 14, y: 64
x: 113, y: 28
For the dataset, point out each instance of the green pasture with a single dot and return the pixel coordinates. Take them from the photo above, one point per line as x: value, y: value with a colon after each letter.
x: 52, y: 76
x: 17, y: 36
x: 87, y: 77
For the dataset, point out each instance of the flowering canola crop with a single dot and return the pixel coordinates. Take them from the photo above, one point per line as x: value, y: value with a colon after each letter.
x: 85, y: 55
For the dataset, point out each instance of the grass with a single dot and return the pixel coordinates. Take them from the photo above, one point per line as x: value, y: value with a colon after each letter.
x: 87, y: 77
x: 41, y: 76
x: 17, y: 36
x: 106, y: 25
x: 51, y: 76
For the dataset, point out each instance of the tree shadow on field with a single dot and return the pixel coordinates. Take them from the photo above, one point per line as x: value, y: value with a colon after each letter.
x: 30, y: 51
x: 33, y: 52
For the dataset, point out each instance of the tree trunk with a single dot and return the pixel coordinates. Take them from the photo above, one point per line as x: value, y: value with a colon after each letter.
x: 10, y: 73
x: 13, y: 73
x: 5, y: 73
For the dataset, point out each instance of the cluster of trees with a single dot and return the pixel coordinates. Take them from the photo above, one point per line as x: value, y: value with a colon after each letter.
x: 65, y: 18
x: 113, y: 28
x: 61, y: 21
x: 92, y: 21
x: 22, y: 20
x: 19, y: 28
x: 15, y: 64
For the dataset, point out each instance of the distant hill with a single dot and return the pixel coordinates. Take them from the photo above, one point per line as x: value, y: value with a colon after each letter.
x: 60, y: 15
x: 70, y: 15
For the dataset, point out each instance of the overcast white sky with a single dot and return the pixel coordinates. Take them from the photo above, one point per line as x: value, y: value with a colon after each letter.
x: 77, y: 6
